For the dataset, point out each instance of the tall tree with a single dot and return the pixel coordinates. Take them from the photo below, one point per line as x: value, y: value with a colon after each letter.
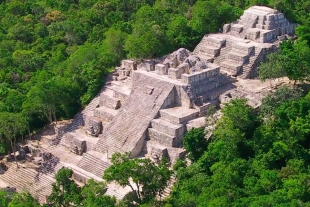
x: 148, y: 179
x: 11, y: 126
x: 22, y: 200
x: 195, y: 143
x: 65, y: 191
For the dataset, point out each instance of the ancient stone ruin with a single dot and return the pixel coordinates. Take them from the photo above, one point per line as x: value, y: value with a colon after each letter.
x: 146, y: 107
x: 245, y: 43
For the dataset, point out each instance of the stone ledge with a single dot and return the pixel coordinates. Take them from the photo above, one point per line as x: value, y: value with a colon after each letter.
x: 166, y: 127
x: 105, y: 113
x: 163, y: 138
x: 178, y: 115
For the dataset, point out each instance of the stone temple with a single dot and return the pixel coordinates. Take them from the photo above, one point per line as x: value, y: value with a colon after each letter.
x: 146, y: 107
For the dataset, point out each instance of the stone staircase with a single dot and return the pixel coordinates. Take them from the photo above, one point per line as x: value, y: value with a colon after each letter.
x: 237, y: 58
x: 94, y: 163
x: 127, y: 130
x: 222, y: 55
x: 208, y: 47
x: 168, y: 189
x: 24, y: 178
x: 167, y: 131
x: 246, y: 69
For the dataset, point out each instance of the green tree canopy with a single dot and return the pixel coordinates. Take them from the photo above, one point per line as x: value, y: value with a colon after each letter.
x: 148, y: 179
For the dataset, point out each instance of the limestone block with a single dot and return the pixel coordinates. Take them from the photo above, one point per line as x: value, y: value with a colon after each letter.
x: 176, y: 130
x: 120, y: 95
x: 182, y: 68
x: 35, y: 152
x: 201, y: 65
x: 237, y: 57
x: 162, y: 138
x: 243, y: 48
x: 123, y: 72
x: 253, y: 34
x: 280, y: 16
x: 181, y: 55
x: 204, y: 109
x: 226, y: 28
x: 262, y: 17
x: 196, y: 123
x: 178, y: 118
x: 260, y: 26
x: 148, y: 90
x: 161, y: 69
x: 148, y: 65
x: 199, y: 76
x: 231, y: 67
x: 77, y: 146
x: 283, y: 21
x: 94, y: 127
x: 215, y: 41
x: 176, y: 73
x: 211, y: 50
x: 270, y: 17
x: 105, y: 113
x: 237, y: 28
x: 29, y: 157
x: 173, y: 73
x: 191, y: 60
x: 260, y: 22
x: 175, y: 154
x: 108, y: 101
x: 269, y: 27
x: 49, y: 140
x: 157, y: 154
x: 193, y: 70
x: 172, y: 60
x: 129, y: 65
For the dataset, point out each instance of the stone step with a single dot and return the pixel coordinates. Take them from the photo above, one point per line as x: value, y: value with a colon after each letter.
x: 231, y: 67
x: 178, y: 115
x: 25, y: 179
x: 109, y: 101
x: 91, y: 162
x: 173, y: 153
x: 196, y: 123
x: 162, y: 138
x: 210, y: 50
x: 115, y: 192
x: 223, y: 52
x: 176, y: 130
x: 238, y: 57
x: 214, y: 94
x: 205, y: 57
x: 214, y: 41
x: 168, y: 189
x: 105, y: 113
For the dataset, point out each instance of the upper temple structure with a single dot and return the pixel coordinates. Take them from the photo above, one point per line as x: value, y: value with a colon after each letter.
x: 146, y: 107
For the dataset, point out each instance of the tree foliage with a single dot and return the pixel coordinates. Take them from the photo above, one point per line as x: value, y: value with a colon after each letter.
x: 195, y: 143
x: 249, y: 162
x: 292, y: 61
x: 145, y: 178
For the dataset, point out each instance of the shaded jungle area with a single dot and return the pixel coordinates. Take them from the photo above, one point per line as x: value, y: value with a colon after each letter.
x: 54, y: 55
